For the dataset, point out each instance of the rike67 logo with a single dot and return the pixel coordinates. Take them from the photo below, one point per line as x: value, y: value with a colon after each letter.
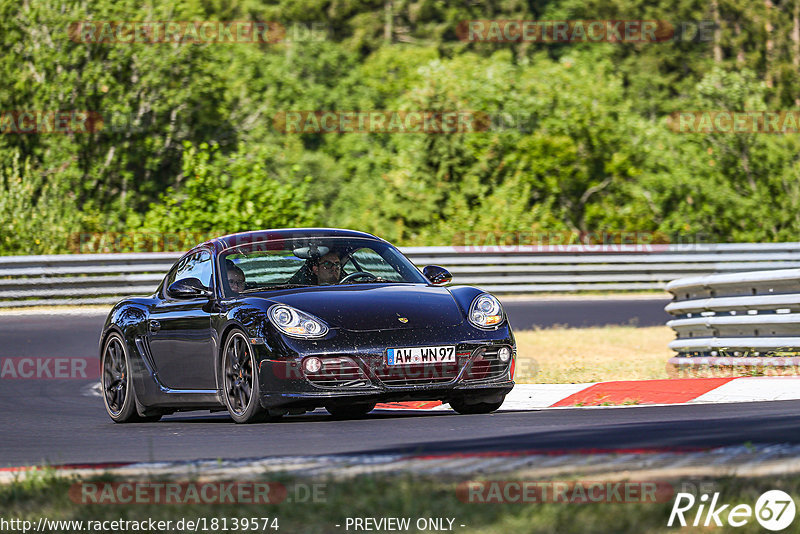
x: 774, y: 510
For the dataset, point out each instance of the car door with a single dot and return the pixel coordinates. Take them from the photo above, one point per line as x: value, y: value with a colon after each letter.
x: 179, y: 330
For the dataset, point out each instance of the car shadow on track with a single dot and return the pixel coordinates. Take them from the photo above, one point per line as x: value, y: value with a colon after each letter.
x: 316, y: 416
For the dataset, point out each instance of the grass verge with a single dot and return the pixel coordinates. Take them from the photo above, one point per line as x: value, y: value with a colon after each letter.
x: 44, y: 495
x: 580, y: 355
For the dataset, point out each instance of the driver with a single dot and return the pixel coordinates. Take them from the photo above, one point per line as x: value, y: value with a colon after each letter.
x: 328, y: 269
x: 235, y: 277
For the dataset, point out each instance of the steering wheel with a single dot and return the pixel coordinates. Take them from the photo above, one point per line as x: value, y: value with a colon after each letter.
x: 357, y: 274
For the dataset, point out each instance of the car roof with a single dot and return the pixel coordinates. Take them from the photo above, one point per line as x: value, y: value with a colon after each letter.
x: 223, y: 242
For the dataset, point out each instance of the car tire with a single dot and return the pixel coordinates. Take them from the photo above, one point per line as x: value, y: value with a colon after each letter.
x: 116, y: 382
x: 469, y: 409
x: 350, y: 411
x: 240, y: 384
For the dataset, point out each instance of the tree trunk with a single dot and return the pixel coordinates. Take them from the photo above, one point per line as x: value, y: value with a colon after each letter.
x: 717, y: 31
x: 740, y: 59
x: 795, y: 36
x: 387, y: 21
x: 770, y: 44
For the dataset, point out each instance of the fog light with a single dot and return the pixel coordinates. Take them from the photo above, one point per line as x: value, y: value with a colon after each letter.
x: 504, y: 354
x: 312, y: 365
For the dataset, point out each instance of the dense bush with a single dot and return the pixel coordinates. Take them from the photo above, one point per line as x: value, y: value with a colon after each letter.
x: 583, y: 144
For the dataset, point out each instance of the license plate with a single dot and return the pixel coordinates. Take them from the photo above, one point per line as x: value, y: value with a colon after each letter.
x: 420, y: 355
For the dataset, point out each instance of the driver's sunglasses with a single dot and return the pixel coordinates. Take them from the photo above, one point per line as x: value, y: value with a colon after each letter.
x: 330, y: 264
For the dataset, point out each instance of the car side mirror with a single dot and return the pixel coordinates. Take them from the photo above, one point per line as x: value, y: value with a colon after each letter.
x: 188, y: 288
x: 438, y: 276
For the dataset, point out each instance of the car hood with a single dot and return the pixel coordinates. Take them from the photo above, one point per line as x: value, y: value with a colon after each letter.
x: 361, y: 308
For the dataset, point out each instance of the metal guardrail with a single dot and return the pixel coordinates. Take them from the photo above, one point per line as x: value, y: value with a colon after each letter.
x: 742, y: 315
x: 104, y: 278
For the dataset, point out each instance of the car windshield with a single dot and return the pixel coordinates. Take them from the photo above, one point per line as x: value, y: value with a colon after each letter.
x: 312, y: 261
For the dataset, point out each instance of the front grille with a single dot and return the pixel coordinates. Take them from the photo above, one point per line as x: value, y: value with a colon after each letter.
x: 486, y: 365
x: 418, y: 375
x: 338, y: 372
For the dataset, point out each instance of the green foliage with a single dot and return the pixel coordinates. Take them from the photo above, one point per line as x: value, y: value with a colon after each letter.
x: 580, y: 140
x: 227, y: 194
x: 567, y: 149
x: 38, y: 215
x: 738, y: 187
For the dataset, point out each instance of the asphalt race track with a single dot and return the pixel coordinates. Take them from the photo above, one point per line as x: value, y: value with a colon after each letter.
x: 55, y: 421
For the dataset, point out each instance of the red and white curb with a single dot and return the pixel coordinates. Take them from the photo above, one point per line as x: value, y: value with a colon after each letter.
x: 622, y: 393
x: 637, y: 393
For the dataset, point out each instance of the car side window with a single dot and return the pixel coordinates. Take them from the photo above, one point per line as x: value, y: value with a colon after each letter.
x: 194, y: 265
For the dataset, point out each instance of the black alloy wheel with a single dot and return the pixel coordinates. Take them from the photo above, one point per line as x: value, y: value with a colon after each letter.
x: 240, y: 380
x: 119, y: 396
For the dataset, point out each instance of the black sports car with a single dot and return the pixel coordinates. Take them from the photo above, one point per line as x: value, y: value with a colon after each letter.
x: 274, y: 322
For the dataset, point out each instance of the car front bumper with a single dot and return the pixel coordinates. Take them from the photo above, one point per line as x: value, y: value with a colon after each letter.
x: 365, y: 377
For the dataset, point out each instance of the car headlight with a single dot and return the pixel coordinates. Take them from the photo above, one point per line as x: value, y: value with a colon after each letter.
x: 485, y: 311
x: 296, y: 323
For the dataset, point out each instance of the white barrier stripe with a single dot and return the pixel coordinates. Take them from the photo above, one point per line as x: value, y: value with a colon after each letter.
x: 754, y: 277
x: 748, y: 320
x: 759, y: 302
